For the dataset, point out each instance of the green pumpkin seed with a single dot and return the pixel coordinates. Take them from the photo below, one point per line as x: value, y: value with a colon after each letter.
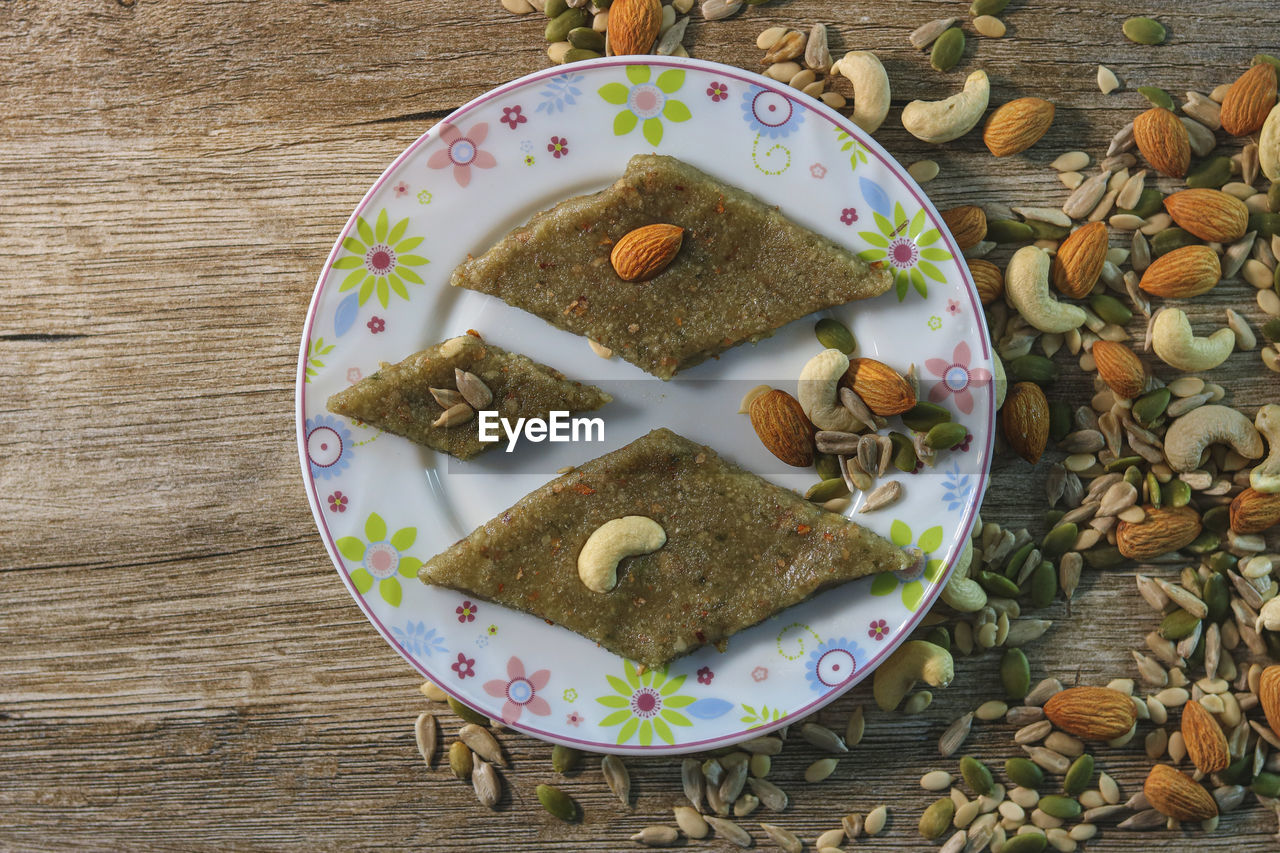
x: 587, y: 39
x: 1015, y: 674
x: 1206, y: 543
x: 1107, y: 557
x: 939, y: 636
x: 924, y: 416
x: 1044, y: 584
x: 945, y: 436
x: 1059, y: 540
x: 1175, y: 493
x: 1031, y: 368
x: 1144, y: 31
x: 1047, y: 230
x: 1212, y: 174
x: 1172, y: 238
x: 557, y: 803
x: 1238, y: 772
x: 1133, y: 476
x: 827, y: 465
x: 1052, y: 517
x: 1149, y: 203
x: 1273, y: 197
x: 1078, y: 776
x: 1271, y: 328
x: 833, y: 334
x: 1273, y: 646
x: 1059, y: 419
x: 976, y: 775
x: 1009, y: 231
x: 937, y: 818
x: 1266, y: 224
x: 1024, y: 772
x: 1122, y: 463
x: 555, y: 8
x: 1157, y: 96
x: 1222, y: 562
x: 1153, y: 490
x: 1059, y: 806
x: 998, y: 585
x: 1178, y: 625
x: 1110, y: 309
x: 565, y: 759
x: 1259, y: 58
x: 1151, y: 405
x: 947, y: 50
x: 1216, y: 518
x: 1027, y: 842
x: 460, y: 760
x: 904, y: 452
x: 993, y: 7
x: 822, y: 492
x: 1016, y: 559
x: 558, y: 27
x: 578, y: 54
x: 466, y: 713
x: 1217, y: 597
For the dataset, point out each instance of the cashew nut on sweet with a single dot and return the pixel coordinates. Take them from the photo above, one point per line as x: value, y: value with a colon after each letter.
x: 1265, y: 477
x: 817, y: 392
x: 1178, y: 346
x: 963, y: 593
x: 1026, y: 283
x: 628, y: 536
x: 870, y: 88
x: 950, y: 118
x: 912, y: 661
x: 1190, y: 434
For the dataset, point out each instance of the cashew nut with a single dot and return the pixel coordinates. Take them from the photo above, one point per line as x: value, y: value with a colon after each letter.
x: 1190, y: 434
x: 610, y: 543
x: 1268, y: 616
x: 817, y: 390
x: 1177, y: 345
x: 1026, y: 283
x: 962, y: 592
x: 1265, y: 477
x: 1269, y: 145
x: 870, y: 88
x: 950, y: 118
x: 913, y: 660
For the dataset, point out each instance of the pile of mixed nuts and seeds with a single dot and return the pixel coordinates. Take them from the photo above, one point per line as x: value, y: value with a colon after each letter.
x: 1157, y: 470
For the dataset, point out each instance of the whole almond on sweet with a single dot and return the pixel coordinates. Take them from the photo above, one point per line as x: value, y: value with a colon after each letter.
x: 1091, y: 713
x: 1017, y: 125
x: 1250, y: 98
x: 1024, y: 419
x: 1163, y: 530
x: 1182, y: 273
x: 1209, y: 214
x: 1176, y: 795
x: 643, y: 253
x: 1269, y: 696
x: 1253, y: 511
x: 988, y: 279
x: 784, y: 430
x: 880, y: 386
x: 1163, y: 141
x: 1206, y: 744
x: 633, y: 26
x: 1079, y: 259
x: 1119, y: 368
x: 967, y: 223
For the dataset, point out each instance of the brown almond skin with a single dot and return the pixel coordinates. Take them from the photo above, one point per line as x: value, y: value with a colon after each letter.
x: 1120, y: 368
x: 1206, y: 744
x: 1024, y: 419
x: 1249, y: 100
x: 1079, y: 260
x: 1177, y: 795
x: 988, y: 279
x: 1091, y: 713
x: 967, y: 223
x: 1269, y: 696
x: 1182, y: 273
x: 1017, y: 125
x: 783, y: 428
x: 1209, y: 214
x: 1253, y: 511
x: 1163, y: 141
x: 1164, y: 530
x: 646, y: 251
x: 633, y: 26
x: 880, y: 386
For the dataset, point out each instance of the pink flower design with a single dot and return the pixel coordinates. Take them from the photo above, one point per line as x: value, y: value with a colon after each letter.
x: 559, y: 147
x: 849, y: 215
x: 953, y: 306
x: 717, y: 92
x: 338, y: 502
x: 955, y: 377
x: 818, y: 170
x: 705, y: 675
x: 573, y: 718
x: 879, y: 629
x: 513, y: 116
x: 466, y: 612
x: 462, y: 151
x: 759, y: 674
x: 402, y: 189
x: 520, y: 691
x: 377, y: 324
x: 354, y: 375
x: 464, y: 666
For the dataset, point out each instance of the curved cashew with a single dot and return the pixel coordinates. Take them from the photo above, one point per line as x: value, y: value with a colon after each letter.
x: 1177, y: 345
x: 950, y: 118
x: 610, y: 543
x: 1269, y: 145
x: 817, y: 391
x: 1190, y: 434
x: 962, y: 592
x: 870, y: 88
x: 1265, y: 477
x: 1268, y: 616
x: 1026, y: 283
x: 914, y: 659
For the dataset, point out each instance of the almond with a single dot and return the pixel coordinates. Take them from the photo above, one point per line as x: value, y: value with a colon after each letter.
x: 1024, y: 419
x: 1163, y: 530
x: 633, y: 26
x: 1119, y: 368
x: 1253, y: 511
x: 784, y: 430
x: 988, y: 279
x: 1269, y: 696
x: 1182, y: 273
x: 1250, y: 98
x: 880, y: 386
x: 1176, y: 795
x: 643, y: 253
x: 1211, y: 215
x: 1206, y: 744
x: 967, y: 223
x: 1091, y: 713
x: 1163, y: 141
x: 1017, y: 125
x: 1079, y: 260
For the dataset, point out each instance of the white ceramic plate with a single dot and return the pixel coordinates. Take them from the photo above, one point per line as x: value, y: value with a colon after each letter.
x: 384, y: 505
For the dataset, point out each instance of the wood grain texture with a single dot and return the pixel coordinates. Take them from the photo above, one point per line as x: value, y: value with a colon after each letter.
x: 183, y: 670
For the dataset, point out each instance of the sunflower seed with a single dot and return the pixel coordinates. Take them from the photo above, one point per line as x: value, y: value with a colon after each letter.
x: 884, y: 495
x: 823, y: 738
x: 857, y: 408
x: 771, y: 796
x: 1043, y: 691
x: 955, y: 735
x: 1152, y: 592
x: 693, y: 781
x: 446, y: 397
x: 1179, y: 596
x: 1204, y: 110
x: 716, y: 10
x: 816, y: 53
x: 1033, y: 733
x: 1054, y: 762
x: 472, y: 388
x: 456, y: 414
x: 657, y: 836
x: 734, y: 780
x: 617, y: 777
x: 1122, y: 141
x: 926, y: 34
x: 786, y: 840
x: 482, y: 743
x: 427, y: 733
x: 1086, y: 197
x: 762, y: 745
x: 1149, y: 819
x: 854, y: 728
x: 1024, y: 631
x: 487, y: 785
x: 727, y: 829
x: 1107, y: 80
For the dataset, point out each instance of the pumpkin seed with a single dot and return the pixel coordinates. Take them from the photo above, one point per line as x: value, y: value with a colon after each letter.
x: 555, y: 8
x: 577, y: 54
x: 586, y: 38
x: 466, y: 713
x: 1015, y: 673
x: 760, y: 765
x: 1150, y: 406
x: 1150, y: 202
x: 1027, y: 842
x: 1059, y: 806
x: 557, y: 803
x: 924, y: 416
x: 976, y: 775
x: 1044, y: 584
x: 1059, y: 540
x: 937, y: 818
x: 1178, y: 624
x: 833, y: 334
x: 565, y: 759
x: 948, y: 435
x: 1266, y: 224
x: 558, y: 27
x: 1144, y: 31
x: 1009, y: 230
x: 1210, y: 174
x: 987, y: 7
x: 1157, y: 96
x: 827, y: 489
x: 1024, y: 772
x: 1078, y: 776
x: 820, y: 770
x: 1266, y: 785
x: 829, y: 839
x: 1031, y: 368
x: 460, y: 760
x: 1175, y: 493
x: 947, y: 50
x: 917, y: 703
x: 876, y: 819
x: 989, y: 26
x: 998, y: 585
x: 487, y: 785
x: 1110, y: 309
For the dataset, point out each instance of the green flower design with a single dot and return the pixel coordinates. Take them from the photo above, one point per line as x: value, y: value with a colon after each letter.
x: 858, y: 152
x: 381, y: 558
x: 646, y: 101
x: 912, y: 589
x: 935, y: 322
x: 755, y: 719
x: 646, y: 704
x: 379, y: 262
x: 908, y: 247
x: 318, y: 349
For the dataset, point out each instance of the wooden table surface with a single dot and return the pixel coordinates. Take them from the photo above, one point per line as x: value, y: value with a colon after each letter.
x: 183, y: 670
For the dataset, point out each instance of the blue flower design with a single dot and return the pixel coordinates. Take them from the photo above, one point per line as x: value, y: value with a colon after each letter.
x: 328, y: 446
x: 416, y: 639
x: 958, y: 486
x: 561, y: 92
x: 770, y: 114
x: 833, y: 664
